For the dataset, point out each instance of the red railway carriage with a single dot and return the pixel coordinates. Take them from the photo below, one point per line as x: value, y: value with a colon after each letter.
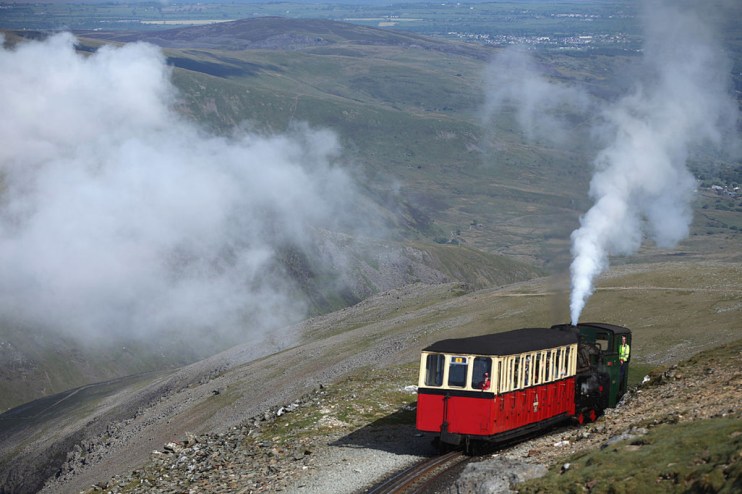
x: 497, y: 386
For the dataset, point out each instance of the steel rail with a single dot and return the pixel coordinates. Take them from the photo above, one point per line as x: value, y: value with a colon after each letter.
x: 411, y: 479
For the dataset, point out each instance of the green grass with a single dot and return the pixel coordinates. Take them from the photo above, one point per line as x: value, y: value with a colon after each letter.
x: 412, y: 117
x: 369, y: 397
x: 702, y: 456
x: 424, y: 135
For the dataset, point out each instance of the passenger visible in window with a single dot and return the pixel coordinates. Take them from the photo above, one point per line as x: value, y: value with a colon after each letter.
x: 485, y: 384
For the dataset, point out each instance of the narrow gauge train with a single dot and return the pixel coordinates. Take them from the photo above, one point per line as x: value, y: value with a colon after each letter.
x: 500, y: 386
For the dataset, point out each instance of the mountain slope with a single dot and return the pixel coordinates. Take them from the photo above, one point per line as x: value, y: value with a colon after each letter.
x: 118, y: 428
x: 50, y: 362
x: 406, y: 113
x: 677, y: 429
x: 407, y: 110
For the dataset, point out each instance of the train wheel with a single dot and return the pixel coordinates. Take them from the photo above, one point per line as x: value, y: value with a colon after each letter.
x: 443, y: 448
x: 593, y: 416
x: 471, y: 447
x: 580, y: 418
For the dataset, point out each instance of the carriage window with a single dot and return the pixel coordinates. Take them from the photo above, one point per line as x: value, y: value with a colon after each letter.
x: 537, y: 369
x: 516, y: 379
x: 457, y: 371
x: 434, y: 369
x: 547, y: 365
x: 554, y: 364
x: 567, y: 366
x: 506, y: 375
x: 495, y: 375
x: 482, y: 373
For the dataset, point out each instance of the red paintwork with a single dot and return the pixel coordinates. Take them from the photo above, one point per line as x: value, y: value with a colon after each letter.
x: 490, y: 416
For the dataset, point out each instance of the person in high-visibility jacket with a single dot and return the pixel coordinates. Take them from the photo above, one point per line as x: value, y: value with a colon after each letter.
x: 624, y: 351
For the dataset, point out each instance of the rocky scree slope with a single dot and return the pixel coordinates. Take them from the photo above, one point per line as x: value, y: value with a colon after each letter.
x: 260, y: 456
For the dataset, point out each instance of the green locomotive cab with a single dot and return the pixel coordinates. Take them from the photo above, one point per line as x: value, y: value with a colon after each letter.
x: 607, y: 347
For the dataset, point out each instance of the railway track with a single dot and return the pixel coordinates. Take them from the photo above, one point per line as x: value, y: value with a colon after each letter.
x: 413, y: 479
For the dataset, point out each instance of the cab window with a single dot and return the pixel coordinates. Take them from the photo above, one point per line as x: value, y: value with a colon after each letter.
x: 603, y: 340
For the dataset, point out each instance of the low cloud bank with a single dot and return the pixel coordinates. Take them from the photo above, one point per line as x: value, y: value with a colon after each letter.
x: 120, y: 218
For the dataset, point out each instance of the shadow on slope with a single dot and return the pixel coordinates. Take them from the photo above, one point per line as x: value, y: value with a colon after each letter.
x: 26, y: 471
x: 223, y: 68
x: 394, y: 433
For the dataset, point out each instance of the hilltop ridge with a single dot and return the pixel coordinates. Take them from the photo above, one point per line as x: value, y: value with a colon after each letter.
x: 280, y: 33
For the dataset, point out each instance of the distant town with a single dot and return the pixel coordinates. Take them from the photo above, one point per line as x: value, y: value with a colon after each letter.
x: 582, y: 42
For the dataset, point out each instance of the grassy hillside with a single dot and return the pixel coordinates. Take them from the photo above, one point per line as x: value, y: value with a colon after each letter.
x: 37, y: 363
x: 407, y: 110
x: 669, y: 445
x: 376, y: 344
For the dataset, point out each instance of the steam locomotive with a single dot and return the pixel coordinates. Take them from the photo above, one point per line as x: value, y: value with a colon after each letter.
x: 500, y: 386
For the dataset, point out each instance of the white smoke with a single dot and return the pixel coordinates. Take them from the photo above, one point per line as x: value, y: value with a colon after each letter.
x: 642, y: 186
x: 119, y: 217
x: 541, y: 106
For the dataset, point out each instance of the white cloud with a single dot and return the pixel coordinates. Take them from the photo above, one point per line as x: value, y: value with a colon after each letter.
x: 119, y: 217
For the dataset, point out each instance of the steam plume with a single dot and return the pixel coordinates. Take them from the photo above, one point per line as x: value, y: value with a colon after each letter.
x: 642, y: 185
x: 515, y: 81
x: 119, y: 217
